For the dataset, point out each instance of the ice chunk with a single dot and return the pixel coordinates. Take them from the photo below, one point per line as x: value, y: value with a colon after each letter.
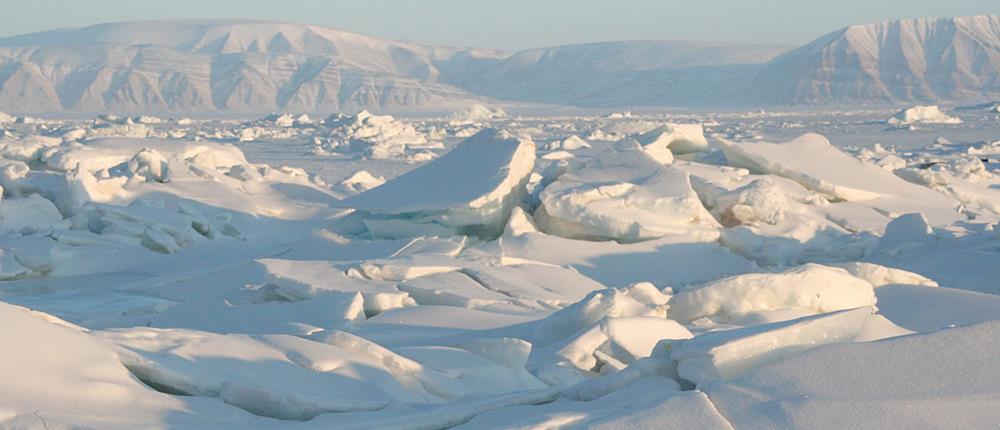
x: 667, y: 140
x: 31, y: 214
x: 905, y: 233
x: 624, y: 195
x: 812, y: 288
x: 302, y: 280
x: 605, y: 332
x: 921, y: 115
x: 726, y: 354
x: 573, y: 142
x: 471, y: 189
x: 376, y: 136
x: 476, y: 113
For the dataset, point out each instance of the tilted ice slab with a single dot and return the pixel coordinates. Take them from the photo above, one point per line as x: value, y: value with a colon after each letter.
x: 946, y: 379
x: 726, y: 354
x: 811, y: 288
x: 623, y: 194
x: 811, y: 161
x: 667, y: 140
x: 471, y: 189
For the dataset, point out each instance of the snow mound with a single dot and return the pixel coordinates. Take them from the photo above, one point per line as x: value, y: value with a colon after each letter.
x: 361, y: 181
x: 921, y: 115
x: 809, y: 289
x: 469, y: 190
x: 624, y: 195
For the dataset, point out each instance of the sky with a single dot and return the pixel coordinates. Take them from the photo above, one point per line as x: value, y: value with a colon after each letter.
x: 511, y: 24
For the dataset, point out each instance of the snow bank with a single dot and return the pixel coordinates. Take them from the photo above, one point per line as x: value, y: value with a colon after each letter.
x: 921, y: 115
x: 811, y: 288
x: 946, y: 379
x: 56, y: 375
x: 624, y: 195
x: 470, y: 190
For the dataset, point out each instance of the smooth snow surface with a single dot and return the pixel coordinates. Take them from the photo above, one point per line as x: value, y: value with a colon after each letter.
x: 946, y: 384
x: 485, y: 270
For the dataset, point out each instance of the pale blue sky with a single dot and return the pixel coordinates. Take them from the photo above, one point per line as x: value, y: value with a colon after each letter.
x: 511, y: 24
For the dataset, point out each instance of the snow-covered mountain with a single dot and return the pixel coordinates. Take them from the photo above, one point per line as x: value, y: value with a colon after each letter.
x: 949, y: 59
x: 658, y: 73
x: 253, y: 66
x: 240, y: 66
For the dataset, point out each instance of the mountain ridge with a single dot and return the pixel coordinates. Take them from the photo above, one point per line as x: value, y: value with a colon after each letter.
x: 204, y: 66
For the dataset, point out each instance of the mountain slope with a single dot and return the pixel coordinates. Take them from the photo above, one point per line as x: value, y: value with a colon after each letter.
x: 204, y: 66
x: 656, y: 73
x: 950, y: 59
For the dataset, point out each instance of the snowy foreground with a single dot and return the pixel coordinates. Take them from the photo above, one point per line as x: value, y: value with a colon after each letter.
x: 693, y: 271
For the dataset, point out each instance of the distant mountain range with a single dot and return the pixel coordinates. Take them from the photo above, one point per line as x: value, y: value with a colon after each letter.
x: 254, y: 67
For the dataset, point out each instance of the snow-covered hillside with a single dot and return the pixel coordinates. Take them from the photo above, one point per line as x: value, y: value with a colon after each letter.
x: 642, y: 73
x: 953, y: 59
x: 235, y: 66
x: 250, y: 66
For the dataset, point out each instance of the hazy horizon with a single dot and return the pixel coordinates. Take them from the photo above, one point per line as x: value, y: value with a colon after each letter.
x: 489, y: 24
